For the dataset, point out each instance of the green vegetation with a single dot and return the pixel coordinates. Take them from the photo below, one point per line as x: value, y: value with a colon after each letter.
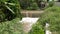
x: 37, y: 29
x: 35, y: 4
x: 9, y: 9
x: 11, y: 27
x: 51, y: 16
x: 10, y: 17
x: 31, y: 4
x: 51, y: 3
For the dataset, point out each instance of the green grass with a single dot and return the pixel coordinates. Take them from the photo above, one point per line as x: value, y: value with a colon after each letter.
x: 37, y: 29
x: 11, y: 27
x: 51, y: 16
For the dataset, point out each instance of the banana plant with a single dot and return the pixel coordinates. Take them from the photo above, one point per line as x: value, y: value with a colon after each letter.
x: 10, y: 6
x: 5, y: 4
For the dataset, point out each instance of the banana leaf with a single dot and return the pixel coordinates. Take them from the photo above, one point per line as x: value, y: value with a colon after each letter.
x: 9, y: 9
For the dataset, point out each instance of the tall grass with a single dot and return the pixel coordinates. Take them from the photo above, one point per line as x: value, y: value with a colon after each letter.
x: 51, y: 16
x: 11, y: 27
x: 37, y: 29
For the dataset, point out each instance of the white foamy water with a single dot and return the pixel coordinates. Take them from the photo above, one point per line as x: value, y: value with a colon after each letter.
x: 28, y: 22
x: 47, y: 31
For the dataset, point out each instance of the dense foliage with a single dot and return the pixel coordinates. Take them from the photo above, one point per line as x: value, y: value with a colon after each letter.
x: 11, y: 27
x: 37, y: 29
x: 31, y: 4
x: 51, y: 3
x: 9, y: 9
x: 36, y: 4
x: 51, y: 16
x: 28, y: 4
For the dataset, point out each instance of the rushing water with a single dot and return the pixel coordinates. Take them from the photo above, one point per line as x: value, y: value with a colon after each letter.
x: 28, y: 22
x: 26, y: 14
x: 47, y: 31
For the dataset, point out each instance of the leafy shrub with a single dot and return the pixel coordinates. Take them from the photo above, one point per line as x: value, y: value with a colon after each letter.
x: 2, y: 16
x: 10, y: 9
x: 37, y: 29
x: 51, y: 16
x: 24, y: 4
x: 33, y: 6
x: 51, y: 3
x: 28, y: 4
x: 11, y: 27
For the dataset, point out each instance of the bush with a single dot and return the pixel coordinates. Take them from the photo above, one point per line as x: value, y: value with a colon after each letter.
x: 51, y: 16
x: 33, y: 6
x: 2, y: 16
x: 37, y: 29
x: 51, y: 3
x: 11, y: 27
x: 29, y: 4
x: 24, y: 4
x: 9, y: 9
